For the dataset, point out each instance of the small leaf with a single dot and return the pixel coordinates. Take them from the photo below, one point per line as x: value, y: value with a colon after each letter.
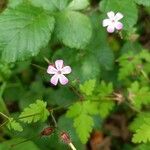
x: 73, y: 29
x: 35, y: 112
x: 138, y: 96
x: 14, y: 125
x: 88, y: 87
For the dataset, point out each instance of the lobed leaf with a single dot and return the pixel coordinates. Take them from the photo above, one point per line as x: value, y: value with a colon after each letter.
x: 35, y: 112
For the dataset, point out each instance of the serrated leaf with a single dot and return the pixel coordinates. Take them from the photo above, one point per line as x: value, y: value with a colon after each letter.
x: 143, y: 2
x: 73, y: 29
x: 35, y: 112
x: 104, y: 108
x: 88, y: 87
x: 83, y: 124
x: 138, y: 121
x: 138, y: 96
x: 130, y: 13
x: 78, y: 4
x: 14, y: 125
x: 24, y: 30
x: 143, y: 133
x: 104, y: 89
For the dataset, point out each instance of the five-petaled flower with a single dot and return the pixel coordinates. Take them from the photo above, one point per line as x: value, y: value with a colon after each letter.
x: 58, y: 70
x: 112, y: 22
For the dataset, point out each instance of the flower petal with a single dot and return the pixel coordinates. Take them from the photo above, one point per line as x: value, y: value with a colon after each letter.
x: 54, y: 79
x: 63, y: 80
x: 111, y: 14
x: 51, y: 70
x: 118, y: 16
x: 106, y: 22
x: 118, y: 25
x: 66, y: 70
x: 59, y: 64
x: 110, y: 29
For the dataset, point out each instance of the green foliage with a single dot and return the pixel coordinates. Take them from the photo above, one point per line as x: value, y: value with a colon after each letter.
x: 35, y: 112
x: 88, y: 87
x: 22, y: 33
x: 106, y: 103
x: 143, y: 2
x: 143, y: 133
x: 138, y: 95
x: 78, y: 4
x: 83, y: 122
x: 23, y: 146
x: 73, y: 29
x: 106, y: 69
x: 130, y: 13
x: 14, y: 125
x: 132, y: 64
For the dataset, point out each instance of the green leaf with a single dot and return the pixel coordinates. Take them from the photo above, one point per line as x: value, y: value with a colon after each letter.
x: 14, y: 125
x: 130, y: 13
x: 83, y: 122
x: 138, y: 96
x: 138, y: 121
x: 73, y: 29
x: 50, y: 5
x: 88, y: 87
x: 105, y: 108
x: 143, y: 2
x: 143, y: 147
x: 7, y: 145
x: 24, y: 30
x: 78, y: 4
x: 105, y: 104
x: 35, y: 112
x: 143, y: 133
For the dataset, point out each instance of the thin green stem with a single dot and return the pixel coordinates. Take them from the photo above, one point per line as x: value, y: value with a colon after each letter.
x: 2, y: 103
x: 54, y: 120
x: 28, y: 116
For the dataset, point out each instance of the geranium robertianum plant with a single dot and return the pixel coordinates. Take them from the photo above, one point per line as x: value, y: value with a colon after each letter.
x: 74, y: 74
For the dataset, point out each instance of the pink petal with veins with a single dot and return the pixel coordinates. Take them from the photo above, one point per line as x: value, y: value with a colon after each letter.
x: 59, y: 64
x: 51, y: 70
x: 63, y: 80
x: 54, y: 79
x: 66, y: 70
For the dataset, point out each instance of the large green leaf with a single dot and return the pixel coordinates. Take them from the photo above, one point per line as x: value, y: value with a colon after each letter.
x: 130, y: 13
x: 73, y: 29
x: 24, y: 30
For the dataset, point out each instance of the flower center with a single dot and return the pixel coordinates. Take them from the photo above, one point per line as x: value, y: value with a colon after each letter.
x: 113, y: 21
x: 59, y: 72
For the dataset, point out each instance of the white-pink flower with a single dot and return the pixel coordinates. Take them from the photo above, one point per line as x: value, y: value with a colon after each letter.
x: 58, y: 70
x: 113, y: 22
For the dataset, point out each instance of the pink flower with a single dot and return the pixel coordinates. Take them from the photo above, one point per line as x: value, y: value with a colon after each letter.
x: 58, y: 72
x: 112, y: 22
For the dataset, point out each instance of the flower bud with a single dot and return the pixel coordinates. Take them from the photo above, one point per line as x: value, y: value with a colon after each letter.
x: 64, y: 136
